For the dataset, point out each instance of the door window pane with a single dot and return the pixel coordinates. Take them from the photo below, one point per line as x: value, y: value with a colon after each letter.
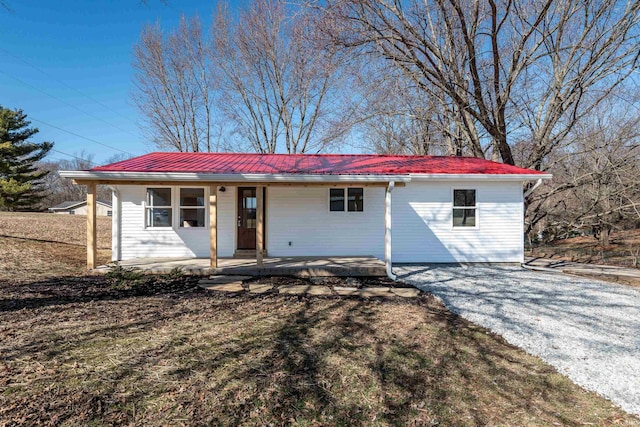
x: 355, y: 199
x: 336, y: 199
x: 248, y: 215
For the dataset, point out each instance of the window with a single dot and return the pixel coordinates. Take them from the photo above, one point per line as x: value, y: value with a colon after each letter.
x: 192, y: 209
x: 336, y: 199
x: 159, y: 211
x: 354, y: 199
x: 464, y: 208
x: 109, y: 213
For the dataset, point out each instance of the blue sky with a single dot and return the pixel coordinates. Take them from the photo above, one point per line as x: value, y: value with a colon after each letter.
x: 68, y: 64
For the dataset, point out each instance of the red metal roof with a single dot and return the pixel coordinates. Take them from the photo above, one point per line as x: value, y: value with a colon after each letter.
x: 320, y: 164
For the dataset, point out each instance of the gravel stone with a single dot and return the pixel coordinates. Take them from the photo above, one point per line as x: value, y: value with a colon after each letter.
x: 587, y: 329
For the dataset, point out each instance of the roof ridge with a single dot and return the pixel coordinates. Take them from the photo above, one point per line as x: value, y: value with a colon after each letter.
x: 238, y: 153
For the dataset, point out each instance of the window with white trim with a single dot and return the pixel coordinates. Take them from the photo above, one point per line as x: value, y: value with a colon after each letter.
x: 192, y: 209
x: 346, y: 199
x: 159, y: 207
x: 464, y: 208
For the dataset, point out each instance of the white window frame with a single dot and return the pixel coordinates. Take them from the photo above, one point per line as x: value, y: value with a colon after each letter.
x: 476, y: 207
x: 175, y: 207
x: 203, y: 207
x: 146, y: 207
x: 345, y: 195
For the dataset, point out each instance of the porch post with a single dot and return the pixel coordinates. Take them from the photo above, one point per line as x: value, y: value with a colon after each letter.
x: 387, y: 229
x: 259, y: 225
x: 213, y: 225
x: 91, y: 226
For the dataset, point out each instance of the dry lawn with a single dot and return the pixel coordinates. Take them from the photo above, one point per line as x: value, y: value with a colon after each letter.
x: 80, y: 350
x: 39, y: 245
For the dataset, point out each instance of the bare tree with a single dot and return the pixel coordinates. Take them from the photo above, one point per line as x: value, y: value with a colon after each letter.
x: 491, y: 63
x: 277, y: 85
x: 595, y: 187
x: 174, y: 88
x: 260, y: 80
x: 401, y: 118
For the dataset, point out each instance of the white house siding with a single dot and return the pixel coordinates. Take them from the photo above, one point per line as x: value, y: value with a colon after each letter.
x: 140, y: 242
x: 301, y: 215
x: 421, y: 217
x: 422, y: 223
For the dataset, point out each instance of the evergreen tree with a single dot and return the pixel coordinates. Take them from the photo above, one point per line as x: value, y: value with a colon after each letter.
x: 20, y: 179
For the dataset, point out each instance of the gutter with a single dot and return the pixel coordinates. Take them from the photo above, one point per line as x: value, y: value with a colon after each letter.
x: 479, y: 177
x: 531, y: 190
x: 222, y: 178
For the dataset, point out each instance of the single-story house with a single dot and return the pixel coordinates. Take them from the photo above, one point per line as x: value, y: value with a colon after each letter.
x: 400, y: 209
x: 79, y: 207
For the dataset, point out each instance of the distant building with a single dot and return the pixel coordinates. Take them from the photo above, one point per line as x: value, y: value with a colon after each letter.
x: 80, y: 208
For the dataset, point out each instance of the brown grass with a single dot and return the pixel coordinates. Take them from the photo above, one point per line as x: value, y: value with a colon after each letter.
x: 79, y: 351
x: 40, y: 245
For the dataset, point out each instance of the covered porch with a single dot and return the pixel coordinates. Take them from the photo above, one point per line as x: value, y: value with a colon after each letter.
x: 281, y: 266
x: 249, y: 262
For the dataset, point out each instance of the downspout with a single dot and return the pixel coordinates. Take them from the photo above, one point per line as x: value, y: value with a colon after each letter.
x: 116, y: 224
x: 524, y: 201
x: 387, y: 230
x: 532, y: 189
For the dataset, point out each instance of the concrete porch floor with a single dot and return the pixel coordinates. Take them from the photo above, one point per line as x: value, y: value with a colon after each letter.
x: 285, y: 266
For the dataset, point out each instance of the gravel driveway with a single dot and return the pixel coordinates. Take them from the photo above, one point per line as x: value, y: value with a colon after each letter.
x: 588, y: 329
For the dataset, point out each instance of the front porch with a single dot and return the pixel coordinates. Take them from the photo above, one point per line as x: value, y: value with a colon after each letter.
x: 251, y: 220
x: 271, y: 266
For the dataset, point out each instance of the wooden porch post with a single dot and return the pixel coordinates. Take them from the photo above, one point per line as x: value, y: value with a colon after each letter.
x: 213, y: 225
x: 259, y: 225
x: 91, y: 226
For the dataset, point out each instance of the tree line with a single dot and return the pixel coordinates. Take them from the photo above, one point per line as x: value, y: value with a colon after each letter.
x: 544, y: 84
x: 550, y: 85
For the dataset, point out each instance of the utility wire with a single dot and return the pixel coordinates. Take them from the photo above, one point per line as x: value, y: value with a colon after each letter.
x: 75, y: 157
x: 67, y: 103
x: 66, y: 85
x: 79, y: 136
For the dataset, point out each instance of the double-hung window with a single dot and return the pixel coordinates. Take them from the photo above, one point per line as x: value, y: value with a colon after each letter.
x: 159, y: 210
x: 464, y: 208
x: 192, y: 210
x: 349, y: 199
